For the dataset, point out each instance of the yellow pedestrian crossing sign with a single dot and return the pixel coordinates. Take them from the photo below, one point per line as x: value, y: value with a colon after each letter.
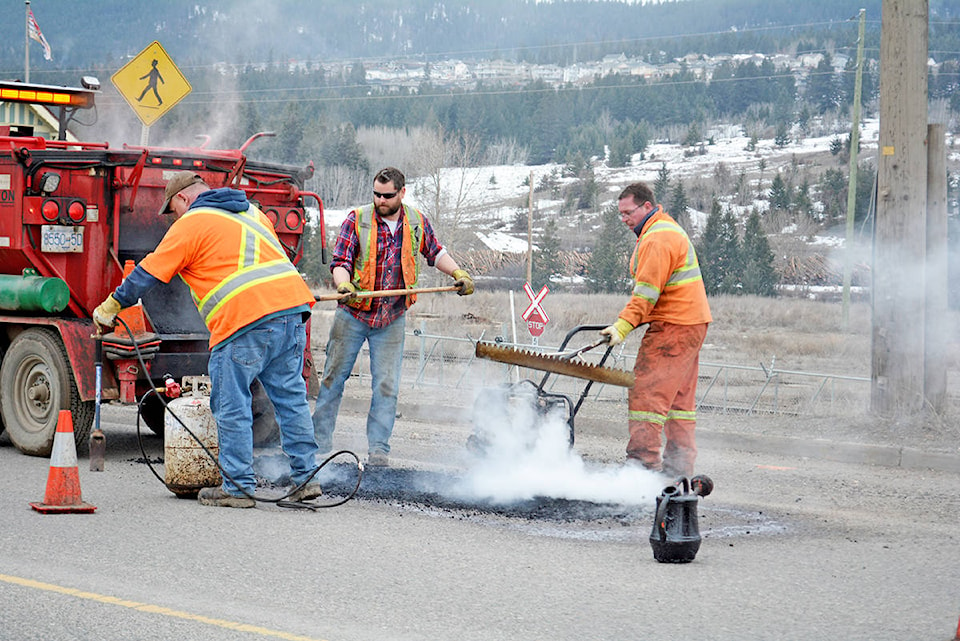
x: 151, y: 84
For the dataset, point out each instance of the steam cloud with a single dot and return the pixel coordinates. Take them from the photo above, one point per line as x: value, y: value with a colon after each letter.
x: 528, y: 455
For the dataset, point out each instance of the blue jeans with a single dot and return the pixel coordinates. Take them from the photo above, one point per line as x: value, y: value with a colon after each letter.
x: 386, y: 359
x: 272, y: 352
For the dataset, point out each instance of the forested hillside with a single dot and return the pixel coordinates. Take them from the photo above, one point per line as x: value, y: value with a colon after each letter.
x: 328, y: 78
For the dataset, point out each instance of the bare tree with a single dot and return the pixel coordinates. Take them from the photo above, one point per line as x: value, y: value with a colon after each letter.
x: 447, y: 182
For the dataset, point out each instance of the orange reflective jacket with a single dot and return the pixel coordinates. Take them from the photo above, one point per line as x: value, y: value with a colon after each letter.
x: 667, y: 284
x: 234, y: 264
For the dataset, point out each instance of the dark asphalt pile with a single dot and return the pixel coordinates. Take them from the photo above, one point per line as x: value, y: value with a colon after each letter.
x: 439, y: 491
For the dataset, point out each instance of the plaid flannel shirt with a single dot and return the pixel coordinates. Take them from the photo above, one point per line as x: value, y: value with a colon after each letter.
x: 383, y: 311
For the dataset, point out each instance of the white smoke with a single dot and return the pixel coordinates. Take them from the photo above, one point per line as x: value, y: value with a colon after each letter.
x: 527, y: 455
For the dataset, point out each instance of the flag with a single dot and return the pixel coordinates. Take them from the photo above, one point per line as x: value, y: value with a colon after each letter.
x: 33, y: 30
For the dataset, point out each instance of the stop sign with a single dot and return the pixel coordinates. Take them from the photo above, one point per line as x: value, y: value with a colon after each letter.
x: 535, y: 323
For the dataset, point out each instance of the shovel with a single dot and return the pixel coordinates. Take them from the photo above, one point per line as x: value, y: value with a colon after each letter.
x: 98, y: 442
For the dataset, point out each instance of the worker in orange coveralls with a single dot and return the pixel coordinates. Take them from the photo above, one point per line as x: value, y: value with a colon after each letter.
x: 668, y: 294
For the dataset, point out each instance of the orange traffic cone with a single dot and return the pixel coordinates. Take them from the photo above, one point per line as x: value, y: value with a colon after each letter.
x: 63, y: 481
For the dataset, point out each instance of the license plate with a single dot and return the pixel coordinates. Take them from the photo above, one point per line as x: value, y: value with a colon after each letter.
x: 61, y: 239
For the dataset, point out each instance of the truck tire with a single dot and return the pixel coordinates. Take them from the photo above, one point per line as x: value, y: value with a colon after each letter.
x: 36, y: 382
x: 152, y: 411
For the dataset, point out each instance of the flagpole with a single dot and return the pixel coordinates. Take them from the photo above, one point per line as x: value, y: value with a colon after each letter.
x: 26, y: 43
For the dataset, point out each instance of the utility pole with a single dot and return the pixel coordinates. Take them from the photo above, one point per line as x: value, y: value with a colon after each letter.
x: 852, y: 183
x: 530, y: 233
x: 900, y: 234
x: 936, y: 329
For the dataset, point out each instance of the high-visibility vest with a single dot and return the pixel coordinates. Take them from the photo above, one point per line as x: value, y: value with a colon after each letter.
x: 672, y: 292
x: 234, y: 265
x: 365, y: 261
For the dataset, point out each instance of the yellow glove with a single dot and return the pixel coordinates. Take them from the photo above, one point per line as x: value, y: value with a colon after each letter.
x: 347, y: 288
x: 462, y: 280
x: 105, y: 315
x: 617, y: 332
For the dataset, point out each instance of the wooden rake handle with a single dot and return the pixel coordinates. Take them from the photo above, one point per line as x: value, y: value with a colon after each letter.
x: 388, y: 292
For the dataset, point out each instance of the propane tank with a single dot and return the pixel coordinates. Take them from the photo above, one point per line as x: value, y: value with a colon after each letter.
x: 32, y: 292
x: 187, y: 466
x: 676, y: 534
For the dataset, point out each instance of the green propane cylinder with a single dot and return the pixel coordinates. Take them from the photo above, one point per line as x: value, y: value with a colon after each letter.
x: 33, y: 293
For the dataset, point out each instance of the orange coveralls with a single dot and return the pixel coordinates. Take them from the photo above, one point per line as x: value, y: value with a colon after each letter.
x: 668, y: 293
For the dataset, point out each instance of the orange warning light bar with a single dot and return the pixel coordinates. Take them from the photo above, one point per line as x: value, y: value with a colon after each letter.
x: 46, y: 95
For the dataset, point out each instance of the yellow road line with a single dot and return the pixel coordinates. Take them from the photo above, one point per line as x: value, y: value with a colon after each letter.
x: 154, y: 609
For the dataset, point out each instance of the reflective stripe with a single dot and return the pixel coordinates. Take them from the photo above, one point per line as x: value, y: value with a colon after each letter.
x: 689, y: 273
x: 253, y: 227
x: 647, y: 292
x: 647, y: 417
x: 681, y: 415
x: 241, y: 280
x: 250, y: 270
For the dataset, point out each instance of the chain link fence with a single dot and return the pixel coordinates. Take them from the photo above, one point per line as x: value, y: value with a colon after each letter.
x: 435, y: 361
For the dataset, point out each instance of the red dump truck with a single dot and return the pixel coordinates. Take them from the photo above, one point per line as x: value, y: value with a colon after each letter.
x: 72, y: 215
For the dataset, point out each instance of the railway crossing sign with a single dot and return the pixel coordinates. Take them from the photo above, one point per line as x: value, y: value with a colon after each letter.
x: 534, y: 314
x: 151, y: 84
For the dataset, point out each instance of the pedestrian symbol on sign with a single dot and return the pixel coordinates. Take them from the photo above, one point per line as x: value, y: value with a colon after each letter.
x: 151, y: 77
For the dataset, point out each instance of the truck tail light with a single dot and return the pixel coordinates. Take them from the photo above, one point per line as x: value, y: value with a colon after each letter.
x: 76, y: 211
x: 66, y: 211
x: 292, y: 220
x: 50, y: 210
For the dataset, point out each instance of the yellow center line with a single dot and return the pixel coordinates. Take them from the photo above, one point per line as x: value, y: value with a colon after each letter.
x: 154, y: 609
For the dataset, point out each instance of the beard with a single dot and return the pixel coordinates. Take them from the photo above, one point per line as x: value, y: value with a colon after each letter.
x: 386, y: 211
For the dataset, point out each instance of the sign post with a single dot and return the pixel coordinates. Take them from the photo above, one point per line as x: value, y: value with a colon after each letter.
x: 535, y: 316
x: 151, y: 84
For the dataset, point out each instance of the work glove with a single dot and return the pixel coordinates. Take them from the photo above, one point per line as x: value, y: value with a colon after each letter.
x: 105, y: 315
x: 347, y: 288
x: 462, y: 280
x: 617, y: 332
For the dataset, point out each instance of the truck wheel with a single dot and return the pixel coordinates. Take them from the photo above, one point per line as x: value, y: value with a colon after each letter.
x: 152, y: 411
x: 36, y: 382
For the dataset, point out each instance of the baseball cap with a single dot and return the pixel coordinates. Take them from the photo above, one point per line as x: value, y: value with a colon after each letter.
x: 180, y: 181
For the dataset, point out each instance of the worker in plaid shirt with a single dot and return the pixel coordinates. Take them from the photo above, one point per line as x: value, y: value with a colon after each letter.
x: 377, y: 249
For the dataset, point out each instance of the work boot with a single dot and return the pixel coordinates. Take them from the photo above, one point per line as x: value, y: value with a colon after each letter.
x: 378, y: 459
x: 216, y: 497
x: 306, y: 493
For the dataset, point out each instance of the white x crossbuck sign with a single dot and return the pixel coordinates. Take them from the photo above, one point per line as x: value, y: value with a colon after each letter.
x: 535, y: 305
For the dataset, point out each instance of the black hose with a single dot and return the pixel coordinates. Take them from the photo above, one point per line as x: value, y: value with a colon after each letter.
x: 281, y: 502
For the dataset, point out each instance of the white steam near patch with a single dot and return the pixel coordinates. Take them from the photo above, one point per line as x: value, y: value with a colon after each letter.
x: 527, y: 455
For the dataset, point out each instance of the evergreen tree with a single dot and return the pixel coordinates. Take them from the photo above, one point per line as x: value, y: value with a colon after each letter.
x: 608, y: 269
x: 782, y: 137
x: 759, y: 274
x: 661, y: 186
x: 678, y: 205
x: 779, y: 193
x: 719, y: 252
x: 546, y: 262
x: 823, y: 86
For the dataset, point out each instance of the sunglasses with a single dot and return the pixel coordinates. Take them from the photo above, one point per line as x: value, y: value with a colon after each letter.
x: 377, y: 194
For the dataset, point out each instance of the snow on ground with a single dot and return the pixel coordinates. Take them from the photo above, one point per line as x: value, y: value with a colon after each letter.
x: 495, y: 194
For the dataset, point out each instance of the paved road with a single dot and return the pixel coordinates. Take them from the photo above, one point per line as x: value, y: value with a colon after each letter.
x: 793, y: 548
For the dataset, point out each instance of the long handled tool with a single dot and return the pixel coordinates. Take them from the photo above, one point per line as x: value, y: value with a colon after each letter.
x: 586, y: 348
x: 98, y: 442
x: 388, y: 292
